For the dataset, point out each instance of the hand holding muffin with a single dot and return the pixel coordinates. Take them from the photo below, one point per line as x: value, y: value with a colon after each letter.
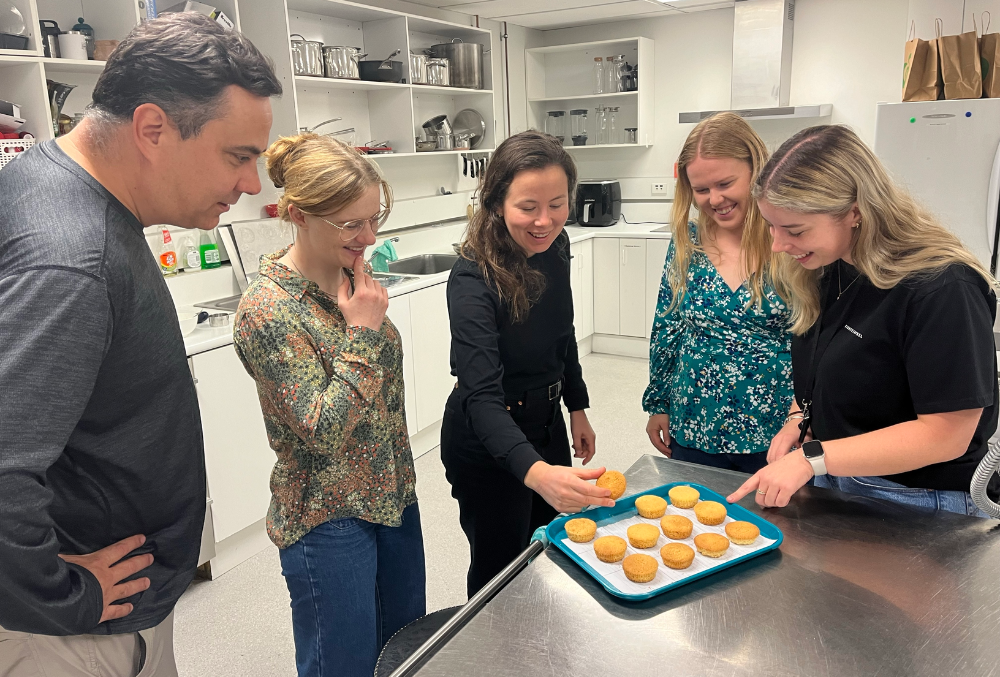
x: 567, y: 489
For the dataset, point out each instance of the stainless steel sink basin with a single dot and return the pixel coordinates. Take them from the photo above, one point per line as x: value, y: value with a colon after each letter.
x: 392, y: 279
x: 426, y: 264
x: 228, y: 304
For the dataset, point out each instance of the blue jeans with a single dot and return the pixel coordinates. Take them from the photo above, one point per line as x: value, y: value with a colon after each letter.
x: 879, y: 487
x: 353, y: 584
x: 748, y: 463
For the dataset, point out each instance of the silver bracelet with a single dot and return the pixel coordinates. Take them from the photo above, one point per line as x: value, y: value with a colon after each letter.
x: 795, y: 415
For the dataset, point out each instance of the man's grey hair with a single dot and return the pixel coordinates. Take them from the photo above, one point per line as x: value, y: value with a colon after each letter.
x: 182, y: 62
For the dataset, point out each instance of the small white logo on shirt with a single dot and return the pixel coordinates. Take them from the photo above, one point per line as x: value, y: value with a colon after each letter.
x: 853, y: 330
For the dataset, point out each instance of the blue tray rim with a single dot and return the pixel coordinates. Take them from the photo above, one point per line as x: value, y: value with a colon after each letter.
x: 556, y: 532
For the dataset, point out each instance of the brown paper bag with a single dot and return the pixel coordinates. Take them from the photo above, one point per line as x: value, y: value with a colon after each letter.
x: 989, y: 58
x: 920, y: 69
x: 961, y: 72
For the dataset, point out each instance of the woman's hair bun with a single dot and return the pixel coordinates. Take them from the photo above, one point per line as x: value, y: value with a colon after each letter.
x: 278, y: 156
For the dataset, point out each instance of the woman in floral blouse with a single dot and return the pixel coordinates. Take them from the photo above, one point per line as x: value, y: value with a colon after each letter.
x: 311, y: 330
x: 719, y: 357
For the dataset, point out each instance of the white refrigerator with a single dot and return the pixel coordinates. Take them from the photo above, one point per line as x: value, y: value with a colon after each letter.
x: 947, y: 154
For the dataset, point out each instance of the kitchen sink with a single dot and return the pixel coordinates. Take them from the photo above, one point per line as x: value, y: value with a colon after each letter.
x: 392, y: 279
x: 228, y: 304
x: 425, y: 264
x: 661, y: 229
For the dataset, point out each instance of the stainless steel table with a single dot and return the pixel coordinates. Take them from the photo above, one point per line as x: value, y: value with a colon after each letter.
x: 859, y: 587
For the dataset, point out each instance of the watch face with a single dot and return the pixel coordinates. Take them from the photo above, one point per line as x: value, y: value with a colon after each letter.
x: 812, y: 449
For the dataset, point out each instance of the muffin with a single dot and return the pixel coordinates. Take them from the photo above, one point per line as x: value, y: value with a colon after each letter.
x: 683, y: 496
x: 643, y: 535
x: 609, y: 548
x: 614, y: 481
x: 581, y: 530
x: 677, y: 555
x: 742, y: 533
x: 640, y: 568
x: 651, y: 506
x: 710, y: 513
x: 711, y: 545
x: 676, y: 526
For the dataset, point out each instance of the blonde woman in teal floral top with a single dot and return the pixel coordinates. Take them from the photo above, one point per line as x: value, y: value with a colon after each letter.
x: 312, y: 332
x: 720, y: 382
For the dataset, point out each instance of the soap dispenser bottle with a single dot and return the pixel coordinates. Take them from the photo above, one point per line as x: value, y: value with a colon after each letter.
x: 209, y: 251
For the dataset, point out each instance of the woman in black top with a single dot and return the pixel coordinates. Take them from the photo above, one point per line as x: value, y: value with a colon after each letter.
x: 513, y: 350
x: 892, y: 357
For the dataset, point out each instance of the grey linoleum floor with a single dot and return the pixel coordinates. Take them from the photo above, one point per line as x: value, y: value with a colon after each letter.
x: 239, y: 625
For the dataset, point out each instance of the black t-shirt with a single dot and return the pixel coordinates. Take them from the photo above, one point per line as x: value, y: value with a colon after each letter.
x: 496, y: 360
x: 923, y: 347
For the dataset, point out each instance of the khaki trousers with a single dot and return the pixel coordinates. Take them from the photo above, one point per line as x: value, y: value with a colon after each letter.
x: 147, y: 653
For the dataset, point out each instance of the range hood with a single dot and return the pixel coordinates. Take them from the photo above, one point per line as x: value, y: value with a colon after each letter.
x: 762, y: 64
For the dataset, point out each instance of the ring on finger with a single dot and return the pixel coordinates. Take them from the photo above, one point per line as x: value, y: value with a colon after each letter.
x: 762, y: 491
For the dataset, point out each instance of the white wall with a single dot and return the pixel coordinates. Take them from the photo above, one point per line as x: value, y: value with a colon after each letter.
x: 847, y: 53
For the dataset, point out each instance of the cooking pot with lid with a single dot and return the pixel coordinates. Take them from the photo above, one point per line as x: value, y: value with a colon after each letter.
x: 307, y: 56
x: 465, y: 60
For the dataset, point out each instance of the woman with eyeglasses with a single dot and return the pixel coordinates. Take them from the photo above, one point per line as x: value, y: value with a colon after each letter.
x: 312, y: 332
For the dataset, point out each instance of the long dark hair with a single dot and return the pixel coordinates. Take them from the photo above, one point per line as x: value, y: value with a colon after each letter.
x: 502, y: 262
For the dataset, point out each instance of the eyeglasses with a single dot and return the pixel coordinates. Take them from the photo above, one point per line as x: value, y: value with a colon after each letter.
x: 351, y: 229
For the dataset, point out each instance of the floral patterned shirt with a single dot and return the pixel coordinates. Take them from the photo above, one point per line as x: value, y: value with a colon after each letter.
x: 720, y: 369
x: 332, y: 397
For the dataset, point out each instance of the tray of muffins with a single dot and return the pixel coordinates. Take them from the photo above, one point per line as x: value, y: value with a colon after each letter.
x: 661, y: 539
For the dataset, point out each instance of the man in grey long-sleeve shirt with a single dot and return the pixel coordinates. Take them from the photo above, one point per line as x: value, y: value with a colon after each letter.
x: 101, y: 455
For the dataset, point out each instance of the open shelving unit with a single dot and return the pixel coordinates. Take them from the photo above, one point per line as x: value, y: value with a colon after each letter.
x: 560, y: 78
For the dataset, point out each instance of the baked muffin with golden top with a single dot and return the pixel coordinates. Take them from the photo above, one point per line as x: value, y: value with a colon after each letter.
x: 677, y: 555
x: 651, y: 506
x: 742, y: 533
x: 610, y: 548
x: 676, y: 527
x: 710, y: 512
x: 683, y: 496
x: 640, y: 568
x: 614, y: 481
x: 642, y: 535
x: 711, y: 545
x: 581, y: 530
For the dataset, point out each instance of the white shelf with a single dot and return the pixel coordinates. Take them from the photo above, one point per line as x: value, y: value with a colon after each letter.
x: 430, y: 153
x: 606, y: 146
x: 342, y: 83
x: 578, y: 46
x: 454, y: 91
x: 72, y: 65
x: 583, y: 97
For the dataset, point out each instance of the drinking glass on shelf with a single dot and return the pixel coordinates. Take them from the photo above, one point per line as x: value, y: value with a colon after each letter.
x: 598, y: 75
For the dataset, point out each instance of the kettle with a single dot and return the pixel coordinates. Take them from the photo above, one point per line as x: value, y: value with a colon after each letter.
x: 50, y: 37
x: 88, y: 32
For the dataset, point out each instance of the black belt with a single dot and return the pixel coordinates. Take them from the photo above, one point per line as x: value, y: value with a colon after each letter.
x: 545, y: 394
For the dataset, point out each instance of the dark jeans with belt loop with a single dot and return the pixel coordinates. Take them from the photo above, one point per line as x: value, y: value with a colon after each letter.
x: 497, y: 512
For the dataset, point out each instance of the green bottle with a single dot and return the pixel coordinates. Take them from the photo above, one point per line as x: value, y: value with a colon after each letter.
x: 209, y: 251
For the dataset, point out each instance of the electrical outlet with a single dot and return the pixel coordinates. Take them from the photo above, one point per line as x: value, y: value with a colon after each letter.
x: 659, y: 188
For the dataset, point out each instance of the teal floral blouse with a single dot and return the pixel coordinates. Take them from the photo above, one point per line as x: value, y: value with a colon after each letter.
x: 720, y: 367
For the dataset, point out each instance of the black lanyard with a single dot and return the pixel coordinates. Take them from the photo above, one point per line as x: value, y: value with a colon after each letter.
x: 818, y: 348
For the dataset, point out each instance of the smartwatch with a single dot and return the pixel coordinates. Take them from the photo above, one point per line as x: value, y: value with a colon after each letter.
x: 813, y: 452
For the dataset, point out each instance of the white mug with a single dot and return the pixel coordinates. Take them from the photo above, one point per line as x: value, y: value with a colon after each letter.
x: 73, y: 45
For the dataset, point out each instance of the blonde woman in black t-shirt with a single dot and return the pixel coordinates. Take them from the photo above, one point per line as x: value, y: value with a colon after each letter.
x: 892, y: 356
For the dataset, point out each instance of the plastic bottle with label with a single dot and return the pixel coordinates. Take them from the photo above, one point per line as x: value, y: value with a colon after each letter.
x: 168, y: 255
x: 192, y: 257
x: 210, y: 257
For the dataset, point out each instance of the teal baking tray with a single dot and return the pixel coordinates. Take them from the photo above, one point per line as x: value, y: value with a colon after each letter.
x: 624, y: 508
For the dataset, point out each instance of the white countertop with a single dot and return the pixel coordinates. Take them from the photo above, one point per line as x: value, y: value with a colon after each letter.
x: 203, y: 337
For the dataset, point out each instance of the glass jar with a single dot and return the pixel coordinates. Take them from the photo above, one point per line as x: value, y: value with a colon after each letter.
x: 613, y: 125
x: 602, y: 125
x: 555, y: 124
x: 598, y: 75
x: 578, y: 126
x: 631, y: 135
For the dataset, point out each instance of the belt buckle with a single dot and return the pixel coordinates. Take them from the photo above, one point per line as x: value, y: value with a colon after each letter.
x: 554, y: 390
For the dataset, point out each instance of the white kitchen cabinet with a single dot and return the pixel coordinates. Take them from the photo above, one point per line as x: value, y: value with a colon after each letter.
x: 431, y: 334
x: 632, y: 287
x: 656, y: 254
x: 582, y: 282
x: 399, y: 315
x: 238, y: 458
x: 607, y: 268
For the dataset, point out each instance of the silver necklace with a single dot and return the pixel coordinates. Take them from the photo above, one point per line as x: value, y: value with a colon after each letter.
x: 842, y: 290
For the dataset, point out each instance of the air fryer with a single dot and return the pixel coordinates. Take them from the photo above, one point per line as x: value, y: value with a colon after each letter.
x: 598, y: 203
